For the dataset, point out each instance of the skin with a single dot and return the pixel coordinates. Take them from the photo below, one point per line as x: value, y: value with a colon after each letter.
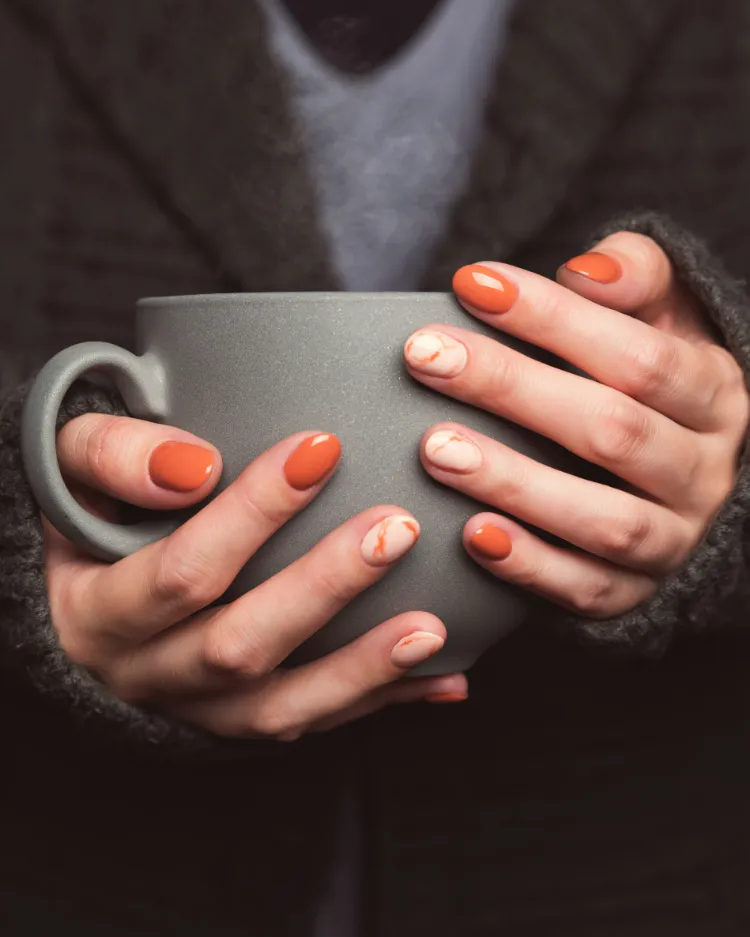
x: 668, y: 416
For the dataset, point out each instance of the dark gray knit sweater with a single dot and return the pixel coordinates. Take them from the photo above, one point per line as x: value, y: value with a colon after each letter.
x: 147, y: 149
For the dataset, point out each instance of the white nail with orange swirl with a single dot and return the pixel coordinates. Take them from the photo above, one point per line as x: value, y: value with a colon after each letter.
x: 390, y: 539
x: 435, y: 353
x: 449, y: 450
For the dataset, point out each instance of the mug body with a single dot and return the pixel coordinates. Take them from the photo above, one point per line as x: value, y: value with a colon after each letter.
x: 244, y: 371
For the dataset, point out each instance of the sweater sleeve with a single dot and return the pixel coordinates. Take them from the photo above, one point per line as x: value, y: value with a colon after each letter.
x: 711, y: 590
x: 28, y: 640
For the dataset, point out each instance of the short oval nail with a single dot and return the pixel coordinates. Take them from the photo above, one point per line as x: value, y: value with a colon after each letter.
x: 312, y: 460
x: 180, y: 466
x: 492, y: 542
x: 390, y: 539
x: 595, y: 266
x: 435, y: 353
x: 446, y: 697
x: 415, y: 648
x: 453, y: 452
x: 484, y: 289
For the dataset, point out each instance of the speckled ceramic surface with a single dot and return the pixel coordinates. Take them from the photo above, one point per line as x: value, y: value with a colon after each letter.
x: 245, y: 370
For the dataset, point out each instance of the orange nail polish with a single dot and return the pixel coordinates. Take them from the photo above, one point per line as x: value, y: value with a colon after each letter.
x: 595, y: 266
x: 312, y: 460
x: 484, y: 289
x: 180, y: 466
x: 491, y: 542
x: 446, y: 697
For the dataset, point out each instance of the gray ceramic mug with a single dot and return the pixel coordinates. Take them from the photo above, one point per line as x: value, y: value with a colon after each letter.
x: 244, y: 370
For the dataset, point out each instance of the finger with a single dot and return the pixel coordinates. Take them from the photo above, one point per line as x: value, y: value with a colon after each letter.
x: 629, y: 272
x: 664, y: 372
x: 449, y: 689
x: 250, y: 637
x: 287, y: 702
x: 615, y: 525
x: 166, y: 582
x: 141, y: 463
x: 592, y: 420
x: 582, y: 583
x: 253, y: 635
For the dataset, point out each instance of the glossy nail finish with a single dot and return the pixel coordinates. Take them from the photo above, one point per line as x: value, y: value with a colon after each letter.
x: 390, y: 539
x: 180, y: 466
x: 312, y: 460
x: 595, y: 266
x: 491, y: 542
x: 485, y: 289
x: 416, y: 648
x: 453, y: 452
x: 435, y: 353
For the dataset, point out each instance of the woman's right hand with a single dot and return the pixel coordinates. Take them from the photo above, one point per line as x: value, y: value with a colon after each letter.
x: 142, y: 625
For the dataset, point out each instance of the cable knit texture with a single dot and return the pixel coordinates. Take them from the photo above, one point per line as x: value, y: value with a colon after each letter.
x: 153, y: 152
x: 711, y: 590
x: 27, y: 635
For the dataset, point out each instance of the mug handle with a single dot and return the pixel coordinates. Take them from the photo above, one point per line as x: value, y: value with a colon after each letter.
x: 142, y: 384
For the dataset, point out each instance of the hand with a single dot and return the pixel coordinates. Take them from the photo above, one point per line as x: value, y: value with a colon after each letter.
x: 668, y: 417
x: 142, y: 626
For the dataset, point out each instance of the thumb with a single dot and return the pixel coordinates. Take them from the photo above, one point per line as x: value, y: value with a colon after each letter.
x: 144, y: 464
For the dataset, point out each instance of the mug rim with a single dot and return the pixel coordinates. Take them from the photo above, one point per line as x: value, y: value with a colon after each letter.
x: 315, y: 295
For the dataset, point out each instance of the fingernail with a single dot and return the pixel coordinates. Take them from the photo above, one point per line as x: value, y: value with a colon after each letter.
x: 449, y: 450
x: 435, y: 353
x: 484, y: 289
x: 491, y: 542
x: 389, y: 539
x: 180, y: 466
x: 312, y: 460
x: 595, y: 266
x: 446, y: 697
x: 415, y: 648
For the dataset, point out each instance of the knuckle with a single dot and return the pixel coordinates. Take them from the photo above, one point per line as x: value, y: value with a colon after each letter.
x: 528, y: 573
x: 267, y: 509
x: 650, y: 366
x: 512, y: 490
x: 736, y: 391
x: 729, y: 369
x: 184, y: 578
x: 228, y: 652
x: 502, y: 378
x: 334, y: 589
x: 273, y: 722
x: 595, y: 597
x: 619, y: 435
x: 104, y: 447
x: 622, y: 538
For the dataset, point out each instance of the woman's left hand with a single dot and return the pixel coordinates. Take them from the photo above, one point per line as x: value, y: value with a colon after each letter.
x: 668, y: 416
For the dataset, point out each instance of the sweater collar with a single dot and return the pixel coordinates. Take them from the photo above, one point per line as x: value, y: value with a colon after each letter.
x: 191, y: 93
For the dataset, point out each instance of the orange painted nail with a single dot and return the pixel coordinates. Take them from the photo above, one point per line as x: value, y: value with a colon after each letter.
x: 312, y: 460
x: 595, y: 266
x: 446, y: 697
x: 180, y: 466
x: 484, y: 289
x: 492, y: 542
